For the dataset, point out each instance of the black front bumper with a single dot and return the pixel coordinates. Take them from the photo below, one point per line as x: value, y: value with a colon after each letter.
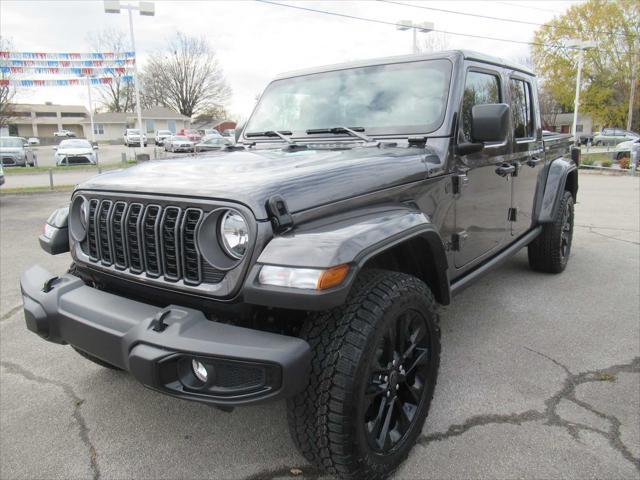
x: 157, y: 345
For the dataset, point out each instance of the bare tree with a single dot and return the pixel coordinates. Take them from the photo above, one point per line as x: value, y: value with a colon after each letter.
x: 117, y: 96
x: 434, y: 42
x: 187, y: 77
x: 549, y: 108
x: 7, y: 92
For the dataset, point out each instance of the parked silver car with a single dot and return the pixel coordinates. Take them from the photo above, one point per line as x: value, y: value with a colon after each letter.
x: 131, y: 138
x: 77, y: 151
x: 623, y: 149
x: 179, y: 143
x: 15, y: 152
x: 613, y: 136
x: 212, y: 143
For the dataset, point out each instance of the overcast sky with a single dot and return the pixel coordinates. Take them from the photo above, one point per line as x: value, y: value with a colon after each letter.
x: 255, y: 41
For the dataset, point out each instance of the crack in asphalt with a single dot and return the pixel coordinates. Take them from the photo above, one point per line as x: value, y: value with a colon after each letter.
x: 568, y: 393
x: 15, y: 369
x: 11, y: 313
x: 611, y: 237
x: 308, y: 472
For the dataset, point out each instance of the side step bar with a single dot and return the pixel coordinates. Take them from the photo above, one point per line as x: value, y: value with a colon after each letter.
x: 460, y: 284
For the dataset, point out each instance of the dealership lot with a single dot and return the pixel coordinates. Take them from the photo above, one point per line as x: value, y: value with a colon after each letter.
x: 540, y: 376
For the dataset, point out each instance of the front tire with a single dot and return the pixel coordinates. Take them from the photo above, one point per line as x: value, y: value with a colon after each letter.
x: 550, y: 251
x: 374, y: 368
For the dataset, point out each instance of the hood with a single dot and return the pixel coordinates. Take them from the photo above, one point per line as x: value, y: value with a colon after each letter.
x: 75, y: 151
x: 305, y: 179
x: 11, y: 149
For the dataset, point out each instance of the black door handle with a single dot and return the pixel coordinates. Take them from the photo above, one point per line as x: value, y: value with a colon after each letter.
x: 505, y: 169
x: 533, y: 161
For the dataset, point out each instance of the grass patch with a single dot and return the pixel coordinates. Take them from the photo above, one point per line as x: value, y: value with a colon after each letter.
x: 606, y: 377
x: 42, y: 189
x: 595, y: 158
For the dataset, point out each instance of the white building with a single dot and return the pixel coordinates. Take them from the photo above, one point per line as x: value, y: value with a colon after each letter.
x: 41, y: 120
x: 110, y: 127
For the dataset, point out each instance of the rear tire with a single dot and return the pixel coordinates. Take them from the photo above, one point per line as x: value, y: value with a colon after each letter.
x: 374, y: 368
x: 550, y: 251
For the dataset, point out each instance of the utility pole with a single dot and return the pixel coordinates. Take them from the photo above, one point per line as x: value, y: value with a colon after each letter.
x: 581, y: 46
x: 93, y: 132
x: 632, y: 93
x: 145, y: 8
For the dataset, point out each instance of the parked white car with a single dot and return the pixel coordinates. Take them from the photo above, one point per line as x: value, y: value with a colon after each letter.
x: 132, y: 138
x: 623, y: 149
x: 64, y: 133
x: 33, y: 141
x: 77, y: 151
x: 161, y: 136
x: 179, y: 143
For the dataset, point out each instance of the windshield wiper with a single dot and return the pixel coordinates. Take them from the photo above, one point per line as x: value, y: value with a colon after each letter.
x: 283, y: 134
x: 351, y: 131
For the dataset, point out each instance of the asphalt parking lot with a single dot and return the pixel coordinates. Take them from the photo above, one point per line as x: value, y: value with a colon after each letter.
x: 540, y: 376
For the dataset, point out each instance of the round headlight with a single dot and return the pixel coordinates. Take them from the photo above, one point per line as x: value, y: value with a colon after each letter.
x: 234, y: 233
x: 79, y: 218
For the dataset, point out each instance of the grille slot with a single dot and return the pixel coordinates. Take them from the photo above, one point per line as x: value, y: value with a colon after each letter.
x: 104, y: 242
x: 170, y: 236
x: 118, y: 235
x: 148, y: 239
x: 191, y: 257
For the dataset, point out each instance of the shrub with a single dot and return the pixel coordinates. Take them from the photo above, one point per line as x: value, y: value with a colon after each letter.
x: 624, y: 163
x: 587, y: 161
x: 606, y: 163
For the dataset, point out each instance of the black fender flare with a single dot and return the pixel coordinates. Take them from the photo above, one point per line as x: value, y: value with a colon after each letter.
x: 556, y: 183
x: 350, y: 238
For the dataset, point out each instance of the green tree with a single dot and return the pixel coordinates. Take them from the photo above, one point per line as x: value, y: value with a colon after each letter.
x: 609, y: 68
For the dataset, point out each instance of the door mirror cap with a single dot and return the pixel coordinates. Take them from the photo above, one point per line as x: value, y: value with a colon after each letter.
x: 490, y: 122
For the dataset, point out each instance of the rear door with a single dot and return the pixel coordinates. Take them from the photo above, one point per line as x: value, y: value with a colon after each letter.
x: 482, y: 205
x: 528, y: 153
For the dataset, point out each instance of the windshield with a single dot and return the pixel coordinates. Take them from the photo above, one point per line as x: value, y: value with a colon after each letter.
x: 11, y: 142
x: 396, y: 98
x: 75, y: 144
x: 133, y: 132
x: 164, y: 132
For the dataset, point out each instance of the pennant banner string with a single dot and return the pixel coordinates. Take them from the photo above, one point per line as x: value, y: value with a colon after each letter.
x: 67, y: 63
x: 79, y: 71
x: 64, y: 81
x: 65, y: 56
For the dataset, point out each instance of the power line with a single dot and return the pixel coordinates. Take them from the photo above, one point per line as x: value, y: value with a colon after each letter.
x: 531, y: 8
x: 499, y: 19
x: 395, y: 24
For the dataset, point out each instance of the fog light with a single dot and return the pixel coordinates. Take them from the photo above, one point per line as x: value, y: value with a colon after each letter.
x: 199, y: 370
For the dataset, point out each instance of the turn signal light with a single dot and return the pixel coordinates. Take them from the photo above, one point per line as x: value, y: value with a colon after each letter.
x: 333, y: 277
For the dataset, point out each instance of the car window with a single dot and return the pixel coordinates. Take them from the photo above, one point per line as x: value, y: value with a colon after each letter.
x: 75, y: 144
x: 521, y: 108
x: 607, y: 131
x: 479, y: 88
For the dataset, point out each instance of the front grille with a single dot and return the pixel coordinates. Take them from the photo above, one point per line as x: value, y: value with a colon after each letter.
x: 76, y: 160
x: 8, y: 161
x: 156, y: 240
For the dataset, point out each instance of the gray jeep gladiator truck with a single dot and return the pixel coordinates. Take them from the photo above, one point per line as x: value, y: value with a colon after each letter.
x: 308, y: 261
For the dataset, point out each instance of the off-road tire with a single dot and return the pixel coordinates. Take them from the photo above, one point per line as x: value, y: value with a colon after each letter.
x: 324, y: 420
x: 546, y: 252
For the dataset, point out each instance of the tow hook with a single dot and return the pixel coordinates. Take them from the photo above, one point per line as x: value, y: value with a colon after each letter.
x: 158, y: 321
x: 48, y: 285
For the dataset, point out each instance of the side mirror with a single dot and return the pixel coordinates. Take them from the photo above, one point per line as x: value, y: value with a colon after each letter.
x: 55, y: 148
x: 95, y: 147
x: 489, y: 122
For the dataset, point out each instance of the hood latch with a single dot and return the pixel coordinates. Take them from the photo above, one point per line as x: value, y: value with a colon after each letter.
x: 281, y: 219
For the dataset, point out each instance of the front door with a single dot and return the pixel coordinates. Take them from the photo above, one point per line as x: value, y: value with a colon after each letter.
x: 483, y: 202
x: 528, y: 154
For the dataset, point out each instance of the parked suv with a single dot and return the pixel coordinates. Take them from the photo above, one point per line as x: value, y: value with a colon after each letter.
x: 309, y: 261
x: 132, y: 138
x: 161, y: 136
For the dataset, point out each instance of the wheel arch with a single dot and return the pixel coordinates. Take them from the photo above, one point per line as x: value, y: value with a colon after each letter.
x: 562, y: 176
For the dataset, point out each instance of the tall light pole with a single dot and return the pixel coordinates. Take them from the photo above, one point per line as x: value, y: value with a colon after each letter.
x: 422, y: 27
x: 145, y: 8
x: 93, y: 132
x: 581, y: 46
